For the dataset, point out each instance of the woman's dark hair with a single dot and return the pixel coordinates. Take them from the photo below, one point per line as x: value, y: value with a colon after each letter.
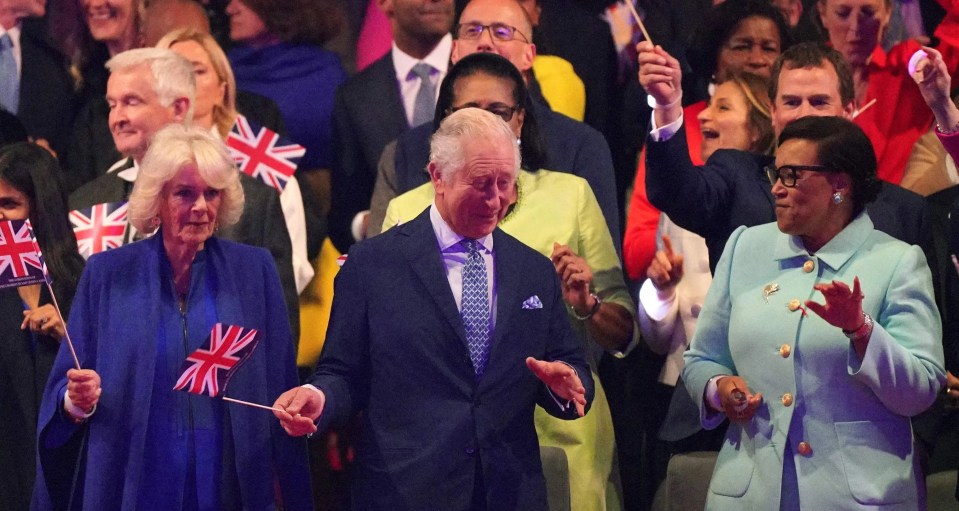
x: 843, y: 147
x: 300, y: 21
x: 720, y: 23
x: 35, y: 172
x: 532, y: 149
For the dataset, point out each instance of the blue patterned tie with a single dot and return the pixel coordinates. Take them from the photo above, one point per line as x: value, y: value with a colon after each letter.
x: 9, y: 78
x: 425, y: 102
x: 475, y: 306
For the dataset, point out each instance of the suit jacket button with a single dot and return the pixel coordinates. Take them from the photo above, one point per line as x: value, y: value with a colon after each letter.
x: 785, y: 350
x: 470, y: 450
x: 804, y: 448
x: 808, y: 266
x: 787, y: 399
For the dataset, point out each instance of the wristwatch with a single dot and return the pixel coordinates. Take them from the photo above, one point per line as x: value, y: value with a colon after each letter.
x: 599, y: 301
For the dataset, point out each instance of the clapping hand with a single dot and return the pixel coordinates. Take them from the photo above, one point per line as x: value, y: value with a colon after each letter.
x: 562, y: 380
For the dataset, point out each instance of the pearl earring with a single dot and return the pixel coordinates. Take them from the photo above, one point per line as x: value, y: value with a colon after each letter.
x: 837, y: 198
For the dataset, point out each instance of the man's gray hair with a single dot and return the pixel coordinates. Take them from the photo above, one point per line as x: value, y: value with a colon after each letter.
x: 172, y: 74
x: 446, y: 146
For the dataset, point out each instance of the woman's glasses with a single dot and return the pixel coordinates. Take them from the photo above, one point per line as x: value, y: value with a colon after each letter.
x: 789, y: 174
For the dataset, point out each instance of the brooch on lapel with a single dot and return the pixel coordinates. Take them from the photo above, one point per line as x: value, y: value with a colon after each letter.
x: 532, y: 303
x: 769, y: 290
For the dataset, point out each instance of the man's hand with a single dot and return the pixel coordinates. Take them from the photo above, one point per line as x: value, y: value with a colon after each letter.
x: 575, y: 276
x: 666, y: 270
x: 738, y: 402
x: 659, y: 73
x: 302, y: 407
x: 83, y: 387
x: 562, y: 380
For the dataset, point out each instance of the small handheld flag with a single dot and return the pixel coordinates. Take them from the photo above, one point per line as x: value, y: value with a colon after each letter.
x: 20, y: 261
x: 263, y: 154
x: 208, y: 370
x: 100, y: 227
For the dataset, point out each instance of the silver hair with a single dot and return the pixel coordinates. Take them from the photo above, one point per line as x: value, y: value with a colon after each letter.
x: 174, y: 147
x: 446, y: 146
x: 172, y: 74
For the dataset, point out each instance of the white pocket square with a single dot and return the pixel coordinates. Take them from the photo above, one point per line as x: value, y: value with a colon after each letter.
x: 532, y: 303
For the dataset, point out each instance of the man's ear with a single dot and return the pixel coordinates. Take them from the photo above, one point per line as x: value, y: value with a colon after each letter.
x: 436, y: 177
x: 849, y: 109
x: 180, y: 108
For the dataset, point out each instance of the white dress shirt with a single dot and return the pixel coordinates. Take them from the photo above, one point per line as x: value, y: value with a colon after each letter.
x: 409, y: 83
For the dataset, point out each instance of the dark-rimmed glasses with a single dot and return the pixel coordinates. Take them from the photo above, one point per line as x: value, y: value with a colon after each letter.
x: 498, y: 31
x: 788, y: 173
x: 502, y: 111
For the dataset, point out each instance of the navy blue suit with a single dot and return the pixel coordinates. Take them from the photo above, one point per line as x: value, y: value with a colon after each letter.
x: 396, y: 350
x: 367, y: 114
x: 732, y: 189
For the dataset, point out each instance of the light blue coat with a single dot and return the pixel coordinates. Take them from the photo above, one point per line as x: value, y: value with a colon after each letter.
x: 854, y: 414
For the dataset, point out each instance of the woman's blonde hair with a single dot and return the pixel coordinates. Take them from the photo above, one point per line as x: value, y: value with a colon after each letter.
x: 171, y: 149
x: 756, y: 91
x: 224, y: 115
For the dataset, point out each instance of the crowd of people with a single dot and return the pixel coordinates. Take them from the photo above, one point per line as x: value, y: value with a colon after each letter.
x: 483, y: 254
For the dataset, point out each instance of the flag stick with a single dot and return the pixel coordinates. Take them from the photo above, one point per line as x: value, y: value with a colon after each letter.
x: 66, y: 333
x: 864, y: 108
x: 639, y: 21
x: 254, y: 405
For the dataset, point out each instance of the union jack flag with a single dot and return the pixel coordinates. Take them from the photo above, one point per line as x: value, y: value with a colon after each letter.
x: 99, y: 227
x: 43, y: 262
x: 20, y: 259
x: 208, y: 370
x: 263, y: 154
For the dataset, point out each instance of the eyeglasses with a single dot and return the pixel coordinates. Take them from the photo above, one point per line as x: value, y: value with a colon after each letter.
x: 788, y: 173
x: 498, y: 31
x: 502, y: 111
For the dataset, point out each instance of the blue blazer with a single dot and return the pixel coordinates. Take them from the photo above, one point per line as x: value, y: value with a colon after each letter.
x: 396, y: 351
x: 853, y: 413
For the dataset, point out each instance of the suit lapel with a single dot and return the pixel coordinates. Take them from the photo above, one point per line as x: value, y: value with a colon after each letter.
x: 421, y: 251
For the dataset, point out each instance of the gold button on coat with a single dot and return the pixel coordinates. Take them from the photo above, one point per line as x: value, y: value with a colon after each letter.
x: 804, y: 448
x: 808, y: 266
x: 787, y: 399
x: 785, y: 350
x: 794, y: 304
